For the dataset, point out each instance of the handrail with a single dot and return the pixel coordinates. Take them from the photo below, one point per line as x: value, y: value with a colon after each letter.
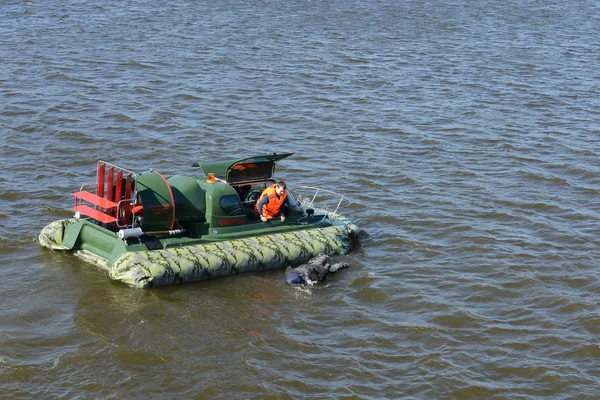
x: 125, y: 207
x: 342, y: 198
x: 113, y: 165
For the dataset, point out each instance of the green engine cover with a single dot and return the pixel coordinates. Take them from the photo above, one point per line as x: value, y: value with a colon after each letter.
x: 156, y: 197
x: 189, y: 198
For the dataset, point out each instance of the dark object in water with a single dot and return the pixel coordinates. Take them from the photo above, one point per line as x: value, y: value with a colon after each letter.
x: 316, y: 270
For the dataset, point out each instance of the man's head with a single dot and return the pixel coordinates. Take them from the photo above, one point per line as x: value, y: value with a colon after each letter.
x: 294, y: 278
x: 280, y: 188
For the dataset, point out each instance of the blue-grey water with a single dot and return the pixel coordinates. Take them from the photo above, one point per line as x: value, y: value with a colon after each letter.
x: 467, y: 134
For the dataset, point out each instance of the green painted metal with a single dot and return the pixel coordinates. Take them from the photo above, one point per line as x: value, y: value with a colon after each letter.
x: 155, y: 194
x: 189, y: 196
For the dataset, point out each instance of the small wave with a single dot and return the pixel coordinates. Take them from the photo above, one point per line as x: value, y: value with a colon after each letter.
x: 187, y: 96
x: 371, y: 295
x: 536, y: 177
x: 117, y: 116
x: 16, y: 111
x: 56, y: 76
x: 144, y: 90
x: 136, y: 64
x: 356, y: 60
x: 459, y: 320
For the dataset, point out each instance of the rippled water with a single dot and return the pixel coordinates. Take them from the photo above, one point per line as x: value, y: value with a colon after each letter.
x: 466, y: 132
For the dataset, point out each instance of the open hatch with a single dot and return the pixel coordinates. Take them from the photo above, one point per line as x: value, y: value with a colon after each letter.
x: 246, y: 170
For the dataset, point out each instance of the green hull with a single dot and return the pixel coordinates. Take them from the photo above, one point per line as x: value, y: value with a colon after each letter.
x: 194, y: 261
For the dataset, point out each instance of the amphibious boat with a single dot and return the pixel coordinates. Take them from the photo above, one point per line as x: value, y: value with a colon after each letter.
x: 148, y: 231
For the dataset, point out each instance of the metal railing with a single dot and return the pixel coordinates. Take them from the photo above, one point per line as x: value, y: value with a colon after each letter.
x: 107, y: 173
x: 323, y: 198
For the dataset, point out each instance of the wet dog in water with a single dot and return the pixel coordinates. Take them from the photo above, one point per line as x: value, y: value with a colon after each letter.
x: 316, y: 270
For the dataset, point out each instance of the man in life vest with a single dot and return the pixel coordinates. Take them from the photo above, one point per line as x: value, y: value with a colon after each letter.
x: 272, y: 202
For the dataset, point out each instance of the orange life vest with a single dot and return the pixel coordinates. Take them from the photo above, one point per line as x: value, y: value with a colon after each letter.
x: 273, y: 207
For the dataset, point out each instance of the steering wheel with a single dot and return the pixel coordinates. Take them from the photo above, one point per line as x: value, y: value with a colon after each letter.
x: 252, y: 196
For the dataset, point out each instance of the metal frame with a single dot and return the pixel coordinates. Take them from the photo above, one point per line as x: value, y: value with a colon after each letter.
x: 132, y: 200
x: 317, y: 190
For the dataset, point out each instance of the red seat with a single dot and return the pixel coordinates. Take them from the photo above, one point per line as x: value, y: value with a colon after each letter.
x: 94, y: 199
x: 97, y: 215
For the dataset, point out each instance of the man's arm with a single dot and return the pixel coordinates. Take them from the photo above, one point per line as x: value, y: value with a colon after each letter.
x: 261, y: 204
x: 285, y: 206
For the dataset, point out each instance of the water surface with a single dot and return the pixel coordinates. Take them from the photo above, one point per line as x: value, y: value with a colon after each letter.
x: 465, y: 132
